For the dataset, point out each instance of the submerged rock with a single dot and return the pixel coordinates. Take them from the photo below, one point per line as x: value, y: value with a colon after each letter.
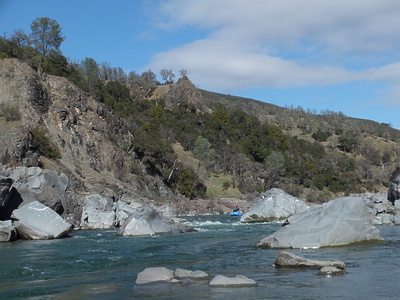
x: 274, y: 204
x: 329, y: 271
x: 338, y: 222
x: 36, y: 221
x: 237, y: 281
x: 289, y: 260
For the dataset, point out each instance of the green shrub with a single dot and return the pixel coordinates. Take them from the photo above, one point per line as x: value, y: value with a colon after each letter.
x: 45, y: 146
x: 226, y: 185
x: 10, y: 112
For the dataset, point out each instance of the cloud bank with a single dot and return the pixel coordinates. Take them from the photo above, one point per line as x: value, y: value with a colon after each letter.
x: 283, y: 43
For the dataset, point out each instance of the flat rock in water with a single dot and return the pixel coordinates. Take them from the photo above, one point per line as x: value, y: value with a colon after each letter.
x: 36, y: 221
x: 274, y: 204
x: 338, y: 222
x: 289, y: 260
x: 156, y: 274
x: 237, y: 281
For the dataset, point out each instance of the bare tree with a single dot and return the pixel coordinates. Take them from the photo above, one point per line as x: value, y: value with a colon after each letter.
x: 183, y: 73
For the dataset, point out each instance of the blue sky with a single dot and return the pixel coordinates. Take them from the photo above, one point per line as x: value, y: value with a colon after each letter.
x: 321, y: 55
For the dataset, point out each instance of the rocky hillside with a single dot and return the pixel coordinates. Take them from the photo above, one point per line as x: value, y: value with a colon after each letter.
x: 179, y: 142
x: 47, y: 121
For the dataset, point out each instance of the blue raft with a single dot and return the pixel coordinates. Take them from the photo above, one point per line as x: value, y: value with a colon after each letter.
x: 235, y: 213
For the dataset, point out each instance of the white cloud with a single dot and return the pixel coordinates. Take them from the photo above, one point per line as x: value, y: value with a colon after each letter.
x: 283, y: 43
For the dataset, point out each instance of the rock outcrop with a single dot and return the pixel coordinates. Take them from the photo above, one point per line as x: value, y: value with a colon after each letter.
x: 274, y: 204
x: 36, y: 221
x: 338, y: 222
x: 35, y: 184
x: 96, y: 146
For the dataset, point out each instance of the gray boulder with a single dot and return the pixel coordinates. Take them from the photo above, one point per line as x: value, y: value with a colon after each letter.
x: 289, y: 260
x: 156, y: 274
x: 7, y: 231
x: 97, y: 213
x: 35, y: 184
x: 36, y: 221
x: 274, y: 204
x: 338, y: 222
x: 237, y: 281
x: 150, y: 222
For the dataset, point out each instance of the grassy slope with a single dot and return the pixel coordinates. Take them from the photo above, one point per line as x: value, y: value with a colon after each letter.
x: 213, y: 182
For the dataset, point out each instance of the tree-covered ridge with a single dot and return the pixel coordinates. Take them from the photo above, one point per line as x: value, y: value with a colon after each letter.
x: 256, y: 145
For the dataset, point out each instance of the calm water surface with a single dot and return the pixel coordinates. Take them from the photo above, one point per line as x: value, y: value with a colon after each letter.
x: 100, y: 265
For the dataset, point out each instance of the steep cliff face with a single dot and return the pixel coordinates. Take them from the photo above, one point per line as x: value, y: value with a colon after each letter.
x: 95, y: 145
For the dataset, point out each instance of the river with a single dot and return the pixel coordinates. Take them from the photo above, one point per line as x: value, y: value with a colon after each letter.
x: 100, y: 265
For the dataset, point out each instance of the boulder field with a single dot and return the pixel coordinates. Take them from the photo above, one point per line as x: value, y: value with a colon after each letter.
x: 36, y: 204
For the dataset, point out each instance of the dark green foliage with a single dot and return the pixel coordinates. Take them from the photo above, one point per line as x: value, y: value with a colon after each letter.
x: 45, y: 146
x: 226, y: 185
x: 321, y: 136
x: 46, y: 34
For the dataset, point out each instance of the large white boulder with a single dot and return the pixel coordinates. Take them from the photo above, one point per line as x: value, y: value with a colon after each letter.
x: 338, y: 222
x: 150, y: 222
x: 36, y: 221
x: 274, y: 204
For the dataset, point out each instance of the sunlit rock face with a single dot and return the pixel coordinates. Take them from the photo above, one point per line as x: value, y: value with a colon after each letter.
x: 338, y: 222
x: 274, y: 204
x: 36, y: 221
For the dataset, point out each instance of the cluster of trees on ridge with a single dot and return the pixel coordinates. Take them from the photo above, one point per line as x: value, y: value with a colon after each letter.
x: 256, y: 155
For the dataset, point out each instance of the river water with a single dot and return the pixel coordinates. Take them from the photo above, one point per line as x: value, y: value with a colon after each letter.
x: 101, y: 265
